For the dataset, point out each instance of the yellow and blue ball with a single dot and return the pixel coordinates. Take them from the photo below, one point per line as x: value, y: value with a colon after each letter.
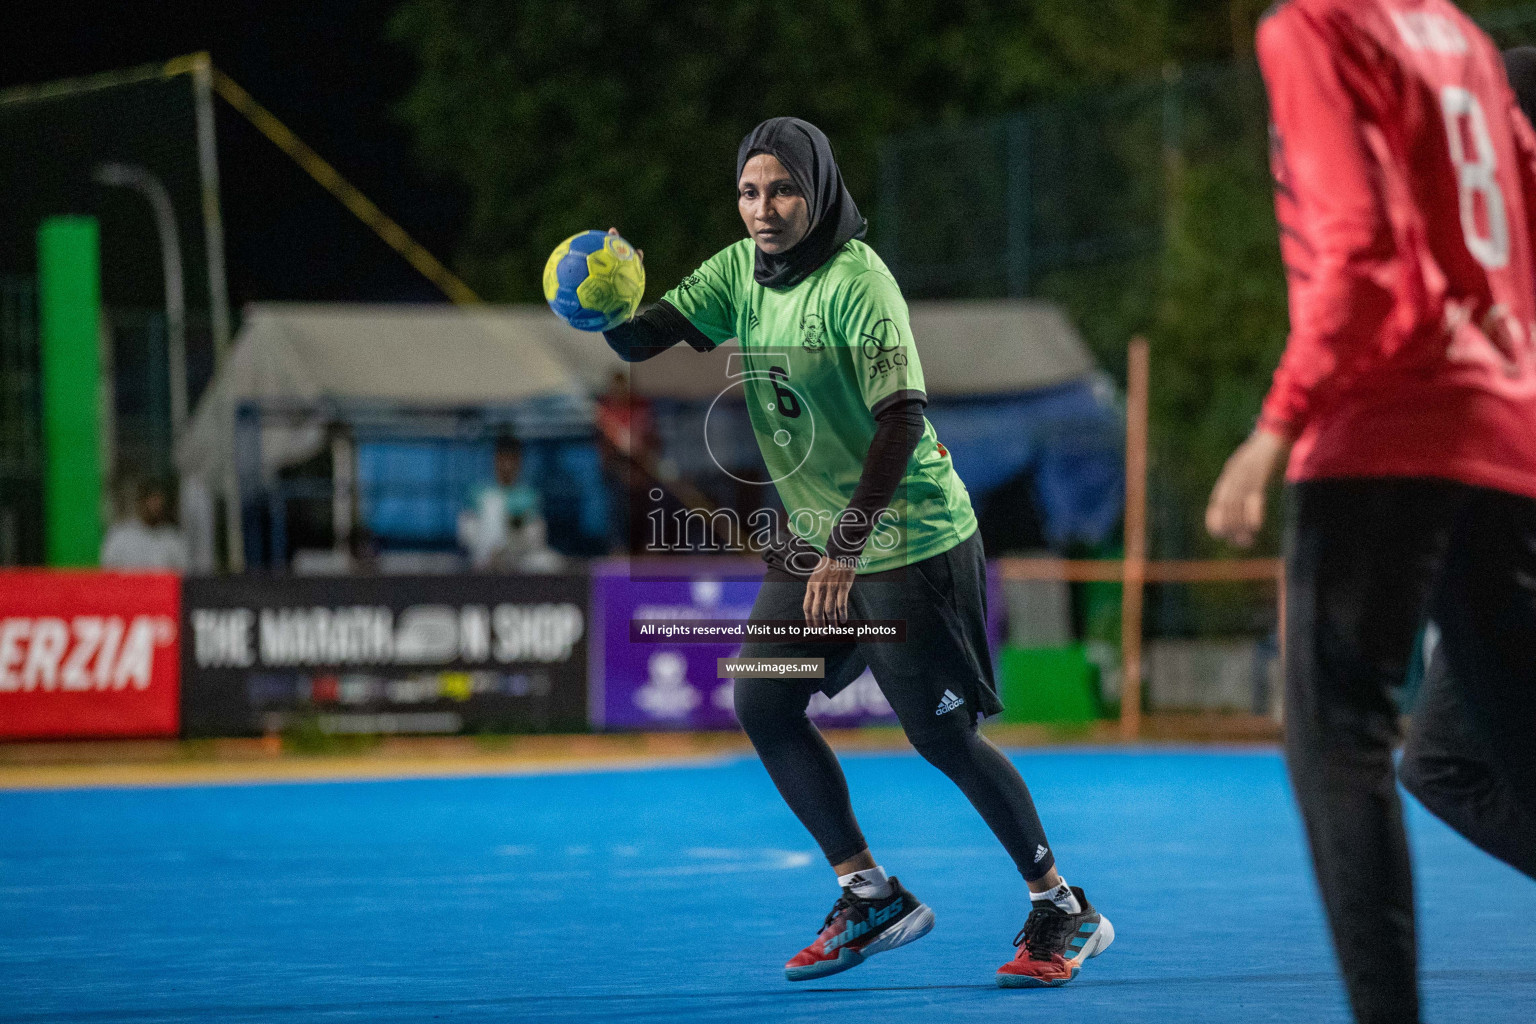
x: 594, y: 281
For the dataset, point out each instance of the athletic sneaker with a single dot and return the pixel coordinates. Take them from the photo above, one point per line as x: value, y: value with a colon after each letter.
x: 858, y: 928
x: 1053, y: 945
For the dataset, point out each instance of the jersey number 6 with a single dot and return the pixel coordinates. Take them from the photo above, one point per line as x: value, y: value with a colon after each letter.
x: 788, y: 402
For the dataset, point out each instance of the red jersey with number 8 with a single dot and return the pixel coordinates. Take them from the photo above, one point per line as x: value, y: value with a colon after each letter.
x: 1405, y: 180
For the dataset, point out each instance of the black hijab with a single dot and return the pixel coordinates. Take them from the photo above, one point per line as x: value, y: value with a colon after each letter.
x: 1520, y: 65
x: 807, y: 156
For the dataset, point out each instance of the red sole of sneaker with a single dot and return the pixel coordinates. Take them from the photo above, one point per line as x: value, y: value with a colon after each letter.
x: 1030, y: 981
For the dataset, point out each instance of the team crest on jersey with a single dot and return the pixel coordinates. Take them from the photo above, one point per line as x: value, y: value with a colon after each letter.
x: 813, y: 332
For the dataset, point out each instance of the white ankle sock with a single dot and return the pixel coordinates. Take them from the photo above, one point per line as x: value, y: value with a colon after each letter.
x: 1062, y: 896
x: 869, y: 883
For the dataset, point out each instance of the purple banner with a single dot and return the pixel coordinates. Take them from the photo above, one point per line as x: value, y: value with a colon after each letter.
x: 655, y: 686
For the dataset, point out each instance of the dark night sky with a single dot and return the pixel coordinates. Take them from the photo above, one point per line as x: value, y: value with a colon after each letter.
x: 323, y: 67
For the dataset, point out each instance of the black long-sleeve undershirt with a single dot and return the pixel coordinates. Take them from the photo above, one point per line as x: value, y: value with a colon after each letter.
x: 653, y: 332
x: 898, y: 426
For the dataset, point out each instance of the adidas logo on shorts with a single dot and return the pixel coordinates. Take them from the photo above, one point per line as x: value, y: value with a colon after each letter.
x: 949, y: 703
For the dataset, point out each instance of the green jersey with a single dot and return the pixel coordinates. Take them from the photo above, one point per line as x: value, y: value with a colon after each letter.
x: 818, y: 361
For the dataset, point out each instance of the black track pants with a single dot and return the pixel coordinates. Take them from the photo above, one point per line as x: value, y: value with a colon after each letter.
x: 1446, y: 765
x: 1366, y: 562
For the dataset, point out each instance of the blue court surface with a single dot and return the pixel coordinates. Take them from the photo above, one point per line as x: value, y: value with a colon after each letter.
x: 675, y: 894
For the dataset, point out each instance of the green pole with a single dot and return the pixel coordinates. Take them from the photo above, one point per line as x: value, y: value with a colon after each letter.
x: 69, y: 305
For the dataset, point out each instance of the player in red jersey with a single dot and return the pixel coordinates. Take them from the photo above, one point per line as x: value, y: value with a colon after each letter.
x: 1406, y: 405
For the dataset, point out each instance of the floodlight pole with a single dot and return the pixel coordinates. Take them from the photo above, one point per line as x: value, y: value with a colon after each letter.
x: 213, y: 221
x: 218, y: 287
x: 151, y: 188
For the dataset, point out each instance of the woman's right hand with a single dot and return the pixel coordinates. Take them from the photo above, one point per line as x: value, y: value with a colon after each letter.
x: 826, y: 592
x: 638, y: 251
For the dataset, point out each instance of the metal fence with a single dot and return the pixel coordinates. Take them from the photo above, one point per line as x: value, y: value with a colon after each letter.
x: 994, y: 207
x: 983, y: 209
x: 21, y: 445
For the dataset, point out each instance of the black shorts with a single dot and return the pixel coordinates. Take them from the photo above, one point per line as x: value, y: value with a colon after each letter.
x: 942, y: 600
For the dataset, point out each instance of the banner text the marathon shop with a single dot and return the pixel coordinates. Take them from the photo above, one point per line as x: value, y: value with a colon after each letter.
x: 385, y: 654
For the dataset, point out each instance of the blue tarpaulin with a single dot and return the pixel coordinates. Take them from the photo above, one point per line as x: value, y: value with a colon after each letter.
x: 1069, y: 439
x: 412, y: 490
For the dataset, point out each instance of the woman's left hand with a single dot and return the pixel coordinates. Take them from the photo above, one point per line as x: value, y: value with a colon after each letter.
x: 1236, y: 510
x: 826, y: 594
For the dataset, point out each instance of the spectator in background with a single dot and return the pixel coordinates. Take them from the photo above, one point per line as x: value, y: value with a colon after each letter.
x: 146, y: 539
x: 624, y: 419
x: 502, y: 527
x: 627, y: 441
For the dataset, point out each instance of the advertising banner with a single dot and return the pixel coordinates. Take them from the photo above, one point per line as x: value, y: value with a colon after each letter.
x: 88, y: 654
x: 384, y: 654
x: 642, y: 683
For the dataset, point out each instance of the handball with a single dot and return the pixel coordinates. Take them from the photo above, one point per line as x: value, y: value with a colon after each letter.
x: 593, y: 281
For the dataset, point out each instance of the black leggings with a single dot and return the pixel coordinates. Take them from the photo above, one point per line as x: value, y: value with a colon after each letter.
x: 811, y: 781
x: 938, y: 680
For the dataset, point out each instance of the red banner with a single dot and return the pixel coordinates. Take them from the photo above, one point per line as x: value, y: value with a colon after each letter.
x: 89, y: 654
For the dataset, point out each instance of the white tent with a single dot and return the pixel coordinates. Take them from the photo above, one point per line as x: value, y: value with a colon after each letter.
x: 987, y: 347
x: 305, y: 356
x: 311, y: 361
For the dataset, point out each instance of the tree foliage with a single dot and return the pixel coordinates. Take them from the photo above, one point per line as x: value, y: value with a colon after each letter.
x: 561, y: 115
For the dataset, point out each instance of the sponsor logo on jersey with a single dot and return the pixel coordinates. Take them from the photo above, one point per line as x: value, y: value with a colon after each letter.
x: 881, y: 346
x: 949, y: 703
x: 883, y: 336
x: 882, y: 367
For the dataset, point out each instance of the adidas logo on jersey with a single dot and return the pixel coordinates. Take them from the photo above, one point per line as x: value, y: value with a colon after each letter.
x: 1040, y: 853
x: 949, y: 703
